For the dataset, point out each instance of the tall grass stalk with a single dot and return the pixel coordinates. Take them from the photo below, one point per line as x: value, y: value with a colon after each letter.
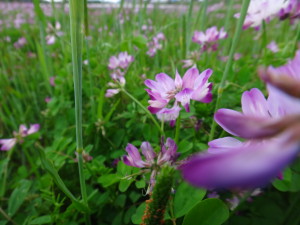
x: 76, y: 24
x: 235, y: 41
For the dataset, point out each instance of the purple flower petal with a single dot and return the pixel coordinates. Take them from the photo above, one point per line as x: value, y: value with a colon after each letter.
x: 189, y: 78
x: 244, y: 126
x: 223, y: 144
x: 254, y: 103
x: 33, y: 129
x: 248, y: 166
x: 148, y: 151
x: 134, y: 157
x: 184, y: 98
x: 7, y: 144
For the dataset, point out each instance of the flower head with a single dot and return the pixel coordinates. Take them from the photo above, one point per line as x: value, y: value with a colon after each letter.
x: 164, y: 90
x: 263, y: 10
x: 208, y: 39
x: 7, y: 144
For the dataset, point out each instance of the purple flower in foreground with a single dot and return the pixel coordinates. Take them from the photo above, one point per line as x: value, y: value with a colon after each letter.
x: 272, y: 128
x: 7, y: 144
x: 164, y: 90
x: 251, y: 164
x: 208, y: 39
x: 285, y: 78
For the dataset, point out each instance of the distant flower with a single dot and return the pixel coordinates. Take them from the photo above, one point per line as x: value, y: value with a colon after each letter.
x: 47, y: 99
x: 52, y: 81
x: 164, y: 90
x: 155, y: 44
x: 7, y: 144
x: 209, y: 39
x: 53, y: 32
x: 20, y: 43
x: 191, y: 60
x: 123, y: 60
x: 118, y: 66
x: 273, y: 47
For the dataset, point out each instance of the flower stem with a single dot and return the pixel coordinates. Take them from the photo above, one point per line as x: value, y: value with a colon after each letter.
x: 203, y: 14
x: 177, y: 131
x: 236, y: 37
x: 76, y: 24
x: 145, y: 109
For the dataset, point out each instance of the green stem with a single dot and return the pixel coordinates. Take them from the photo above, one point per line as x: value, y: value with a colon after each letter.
x: 177, y: 131
x: 297, y: 37
x: 203, y: 14
x: 236, y: 37
x: 76, y: 23
x: 146, y: 111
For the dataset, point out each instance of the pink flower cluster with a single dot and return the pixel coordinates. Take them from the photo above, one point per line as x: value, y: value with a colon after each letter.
x: 167, y: 156
x: 164, y: 90
x: 7, y: 144
x: 155, y: 44
x: 208, y: 39
x: 118, y: 66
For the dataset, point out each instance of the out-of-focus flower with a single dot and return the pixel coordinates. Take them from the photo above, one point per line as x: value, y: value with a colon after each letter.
x: 167, y: 156
x: 191, y: 60
x: 247, y: 165
x: 193, y: 85
x: 123, y: 60
x: 208, y: 39
x: 286, y: 77
x: 272, y: 127
x: 292, y: 11
x: 20, y: 43
x: 47, y: 99
x: 263, y: 10
x: 52, y: 81
x: 273, y: 46
x: 7, y: 144
x: 155, y: 44
x: 53, y: 32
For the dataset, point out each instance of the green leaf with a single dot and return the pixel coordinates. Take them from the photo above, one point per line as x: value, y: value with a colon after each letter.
x: 140, y: 41
x: 290, y: 181
x: 18, y: 196
x: 185, y: 146
x: 41, y: 220
x: 207, y: 212
x: 137, y: 217
x: 47, y: 164
x: 108, y: 179
x: 184, y: 202
x: 124, y: 184
x: 140, y: 184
